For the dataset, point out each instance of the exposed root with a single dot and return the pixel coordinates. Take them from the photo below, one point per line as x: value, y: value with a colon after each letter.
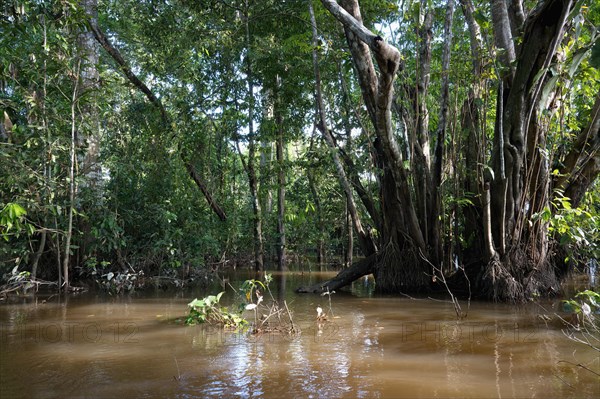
x: 500, y: 285
x: 518, y: 278
x: 401, y: 270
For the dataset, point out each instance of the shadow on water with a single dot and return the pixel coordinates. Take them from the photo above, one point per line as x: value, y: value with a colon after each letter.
x: 96, y: 345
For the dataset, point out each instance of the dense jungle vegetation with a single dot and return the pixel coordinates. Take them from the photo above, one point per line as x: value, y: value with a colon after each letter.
x: 436, y: 142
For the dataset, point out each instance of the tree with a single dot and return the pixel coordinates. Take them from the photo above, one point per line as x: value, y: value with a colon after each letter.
x: 513, y: 189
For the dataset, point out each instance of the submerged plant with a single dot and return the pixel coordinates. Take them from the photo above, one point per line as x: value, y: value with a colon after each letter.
x: 207, y: 310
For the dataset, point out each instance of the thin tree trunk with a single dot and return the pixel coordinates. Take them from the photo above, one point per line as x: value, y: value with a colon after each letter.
x: 266, y: 161
x: 319, y: 211
x: 204, y: 189
x: 350, y: 239
x: 353, y: 176
x: 281, y: 256
x: 46, y: 193
x: 476, y: 40
x: 38, y: 254
x: 251, y: 170
x: 72, y: 186
x: 58, y: 254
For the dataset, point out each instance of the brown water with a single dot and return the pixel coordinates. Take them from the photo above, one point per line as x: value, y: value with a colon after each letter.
x: 130, y: 346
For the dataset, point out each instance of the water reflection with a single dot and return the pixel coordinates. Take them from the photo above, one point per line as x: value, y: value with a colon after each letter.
x: 97, y: 346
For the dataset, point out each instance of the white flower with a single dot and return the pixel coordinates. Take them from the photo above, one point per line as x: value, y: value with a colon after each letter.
x: 319, y: 312
x: 585, y: 308
x: 251, y: 306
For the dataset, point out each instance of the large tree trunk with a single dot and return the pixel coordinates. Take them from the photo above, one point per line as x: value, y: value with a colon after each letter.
x: 471, y: 122
x: 435, y: 224
x: 89, y: 53
x: 401, y: 262
x: 521, y: 183
x: 420, y: 140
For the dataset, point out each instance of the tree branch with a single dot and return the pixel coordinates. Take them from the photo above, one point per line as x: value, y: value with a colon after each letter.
x: 132, y: 77
x: 118, y: 58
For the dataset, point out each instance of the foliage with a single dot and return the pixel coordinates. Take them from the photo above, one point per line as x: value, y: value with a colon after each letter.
x: 575, y: 229
x: 585, y: 306
x: 207, y: 310
x: 13, y: 222
x: 144, y: 213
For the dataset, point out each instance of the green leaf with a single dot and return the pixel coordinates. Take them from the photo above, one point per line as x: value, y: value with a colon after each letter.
x: 577, y: 58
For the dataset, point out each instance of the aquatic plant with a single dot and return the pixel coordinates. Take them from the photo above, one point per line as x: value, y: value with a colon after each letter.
x: 267, y: 313
x: 207, y: 310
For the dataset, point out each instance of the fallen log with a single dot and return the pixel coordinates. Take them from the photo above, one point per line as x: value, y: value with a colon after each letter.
x: 345, y: 277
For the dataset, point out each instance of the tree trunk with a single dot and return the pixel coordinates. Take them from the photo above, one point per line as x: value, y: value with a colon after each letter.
x: 359, y: 269
x: 88, y: 133
x: 420, y: 140
x: 401, y: 233
x: 251, y: 170
x: 89, y: 53
x: 72, y: 185
x: 349, y: 240
x: 319, y: 211
x: 521, y: 179
x: 281, y: 258
x: 476, y: 227
x: 435, y: 225
x: 204, y: 189
x: 38, y: 254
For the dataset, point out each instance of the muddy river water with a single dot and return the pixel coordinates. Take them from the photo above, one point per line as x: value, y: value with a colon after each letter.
x: 132, y: 346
